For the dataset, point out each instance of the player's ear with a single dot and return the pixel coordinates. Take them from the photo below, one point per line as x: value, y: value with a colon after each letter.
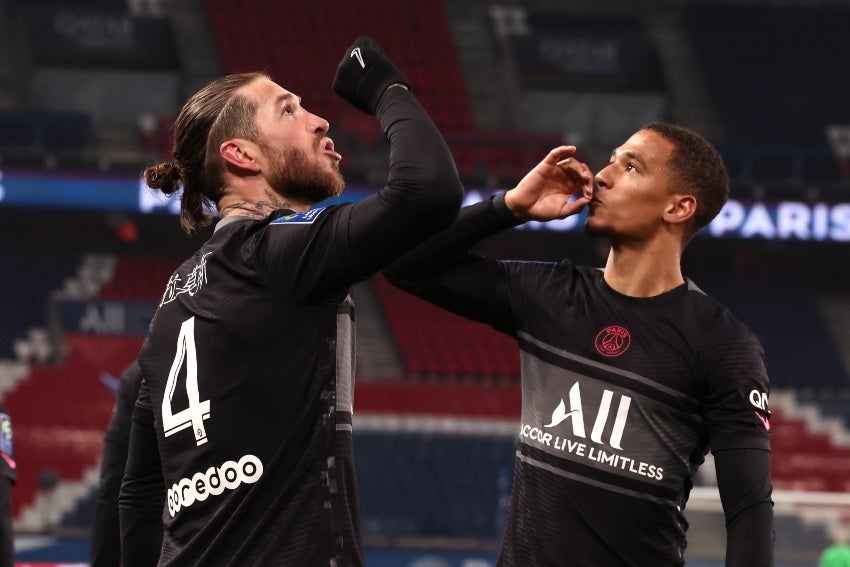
x: 240, y: 153
x: 680, y: 209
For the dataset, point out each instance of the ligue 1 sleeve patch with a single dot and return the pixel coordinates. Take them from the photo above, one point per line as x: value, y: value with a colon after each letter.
x: 307, y: 217
x: 6, y: 435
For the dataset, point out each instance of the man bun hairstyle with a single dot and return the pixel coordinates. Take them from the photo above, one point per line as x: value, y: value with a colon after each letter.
x: 696, y: 168
x: 212, y: 115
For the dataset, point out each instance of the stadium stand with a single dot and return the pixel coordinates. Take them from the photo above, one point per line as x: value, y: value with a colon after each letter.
x: 61, y: 412
x: 833, y: 404
x: 272, y: 31
x: 800, y: 351
x: 25, y: 289
x: 139, y: 278
x: 435, y: 342
x: 38, y: 131
x: 747, y: 51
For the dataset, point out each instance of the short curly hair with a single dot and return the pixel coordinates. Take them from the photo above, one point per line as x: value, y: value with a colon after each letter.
x: 696, y: 168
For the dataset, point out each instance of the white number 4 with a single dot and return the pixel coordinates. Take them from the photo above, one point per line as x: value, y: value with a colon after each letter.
x: 194, y: 415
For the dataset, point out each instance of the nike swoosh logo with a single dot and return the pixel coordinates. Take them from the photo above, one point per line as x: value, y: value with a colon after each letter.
x: 765, y: 421
x: 356, y: 53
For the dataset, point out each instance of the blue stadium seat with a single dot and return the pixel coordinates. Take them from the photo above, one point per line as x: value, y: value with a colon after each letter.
x: 799, y: 349
x: 27, y: 283
x: 430, y: 485
x: 777, y: 75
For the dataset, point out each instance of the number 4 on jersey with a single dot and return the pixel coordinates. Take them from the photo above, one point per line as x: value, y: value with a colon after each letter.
x: 194, y: 415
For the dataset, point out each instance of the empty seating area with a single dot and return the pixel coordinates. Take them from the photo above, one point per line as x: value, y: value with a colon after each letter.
x: 434, y: 342
x: 275, y: 35
x: 799, y: 349
x: 25, y: 289
x: 408, y: 397
x: 140, y: 278
x: 430, y: 485
x: 832, y: 404
x: 25, y: 130
x: 60, y: 412
x: 777, y: 75
x: 803, y: 460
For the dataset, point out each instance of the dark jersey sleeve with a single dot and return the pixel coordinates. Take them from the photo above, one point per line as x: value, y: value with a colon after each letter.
x: 738, y: 419
x: 7, y: 480
x: 445, y: 273
x: 141, y: 500
x: 106, y: 537
x: 743, y: 477
x: 735, y: 406
x: 343, y: 244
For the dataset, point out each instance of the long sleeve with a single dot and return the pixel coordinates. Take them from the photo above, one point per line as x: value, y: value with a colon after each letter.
x: 743, y: 478
x: 444, y: 272
x: 141, y: 500
x: 423, y: 191
x: 106, y: 535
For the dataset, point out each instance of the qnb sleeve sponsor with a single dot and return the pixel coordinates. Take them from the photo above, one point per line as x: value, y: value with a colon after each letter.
x: 213, y: 482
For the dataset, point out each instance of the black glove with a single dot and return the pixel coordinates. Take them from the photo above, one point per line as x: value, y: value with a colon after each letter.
x: 364, y: 74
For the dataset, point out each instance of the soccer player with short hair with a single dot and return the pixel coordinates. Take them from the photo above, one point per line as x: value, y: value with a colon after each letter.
x: 243, y: 425
x: 630, y: 373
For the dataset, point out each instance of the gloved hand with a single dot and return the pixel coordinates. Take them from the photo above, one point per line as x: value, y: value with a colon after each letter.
x: 364, y: 74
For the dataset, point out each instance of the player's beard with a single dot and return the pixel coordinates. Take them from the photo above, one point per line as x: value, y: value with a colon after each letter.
x: 299, y: 176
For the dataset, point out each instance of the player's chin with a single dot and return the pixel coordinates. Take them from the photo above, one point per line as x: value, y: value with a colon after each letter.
x: 592, y: 227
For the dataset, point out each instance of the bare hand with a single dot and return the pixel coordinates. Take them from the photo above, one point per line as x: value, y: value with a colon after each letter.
x: 545, y: 191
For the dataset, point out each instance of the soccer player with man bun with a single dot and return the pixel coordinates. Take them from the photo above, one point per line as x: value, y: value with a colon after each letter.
x: 630, y: 373
x: 242, y: 437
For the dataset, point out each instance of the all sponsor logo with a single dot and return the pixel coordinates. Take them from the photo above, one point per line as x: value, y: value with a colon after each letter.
x: 576, y: 417
x: 602, y: 450
x: 213, y: 482
x: 612, y: 341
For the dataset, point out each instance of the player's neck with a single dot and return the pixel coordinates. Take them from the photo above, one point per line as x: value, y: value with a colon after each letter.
x: 643, y: 272
x: 256, y: 202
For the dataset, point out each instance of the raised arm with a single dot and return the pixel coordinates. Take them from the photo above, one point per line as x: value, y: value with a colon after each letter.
x: 444, y: 272
x: 423, y: 191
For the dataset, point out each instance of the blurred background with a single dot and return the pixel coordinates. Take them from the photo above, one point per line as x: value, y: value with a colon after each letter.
x: 88, y: 93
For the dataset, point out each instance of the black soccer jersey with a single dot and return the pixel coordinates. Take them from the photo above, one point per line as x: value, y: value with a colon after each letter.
x: 249, y: 367
x: 622, y: 397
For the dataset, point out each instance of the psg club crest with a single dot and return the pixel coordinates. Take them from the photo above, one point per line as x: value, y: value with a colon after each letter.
x: 613, y: 341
